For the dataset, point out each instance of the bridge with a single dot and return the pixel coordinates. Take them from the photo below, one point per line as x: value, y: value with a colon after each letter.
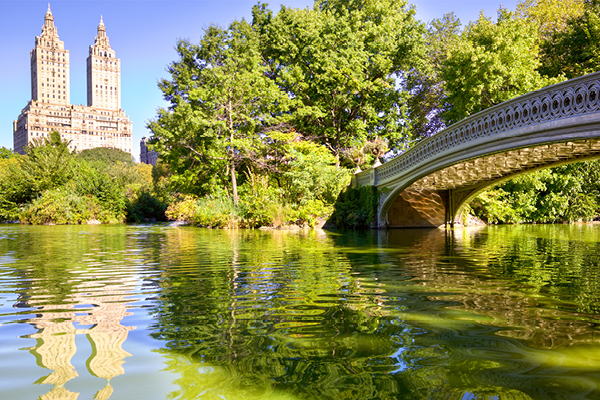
x: 429, y: 184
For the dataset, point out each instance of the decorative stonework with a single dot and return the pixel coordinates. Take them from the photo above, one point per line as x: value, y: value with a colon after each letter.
x: 567, y: 99
x: 551, y: 126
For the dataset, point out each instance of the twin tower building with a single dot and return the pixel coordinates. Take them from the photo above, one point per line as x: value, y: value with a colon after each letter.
x: 101, y: 123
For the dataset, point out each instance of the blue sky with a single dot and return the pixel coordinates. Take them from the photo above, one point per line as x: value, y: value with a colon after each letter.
x: 143, y: 34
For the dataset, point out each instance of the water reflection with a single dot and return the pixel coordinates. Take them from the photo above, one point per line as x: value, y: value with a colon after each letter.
x: 375, y: 315
x: 494, y: 312
x: 101, y: 304
x: 73, y: 287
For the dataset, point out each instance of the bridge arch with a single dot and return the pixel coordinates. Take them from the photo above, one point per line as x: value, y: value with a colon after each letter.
x: 427, y: 185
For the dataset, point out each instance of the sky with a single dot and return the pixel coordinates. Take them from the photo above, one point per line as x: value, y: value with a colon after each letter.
x: 143, y: 34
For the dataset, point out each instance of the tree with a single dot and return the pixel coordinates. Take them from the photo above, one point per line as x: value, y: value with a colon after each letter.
x: 562, y: 194
x: 106, y: 155
x: 6, y: 153
x: 491, y: 63
x: 220, y: 101
x: 575, y: 50
x: 341, y: 63
x: 428, y: 100
x: 551, y: 16
x: 48, y: 162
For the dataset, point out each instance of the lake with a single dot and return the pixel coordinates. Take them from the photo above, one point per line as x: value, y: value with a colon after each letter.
x: 170, y: 312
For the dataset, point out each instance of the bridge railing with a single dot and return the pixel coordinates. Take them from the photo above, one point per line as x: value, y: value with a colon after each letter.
x: 570, y: 98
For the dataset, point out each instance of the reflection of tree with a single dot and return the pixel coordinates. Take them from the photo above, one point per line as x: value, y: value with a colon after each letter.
x: 253, y: 320
x: 375, y: 315
x: 482, y: 286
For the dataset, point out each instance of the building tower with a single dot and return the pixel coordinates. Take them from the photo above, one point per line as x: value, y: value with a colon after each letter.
x: 50, y: 66
x: 100, y: 124
x: 103, y: 74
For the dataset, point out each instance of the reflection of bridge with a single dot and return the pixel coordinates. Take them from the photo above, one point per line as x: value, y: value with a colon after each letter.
x: 427, y: 185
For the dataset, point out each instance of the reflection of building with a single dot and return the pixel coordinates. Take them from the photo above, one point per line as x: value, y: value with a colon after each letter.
x: 101, y: 123
x: 57, y: 329
x: 147, y: 156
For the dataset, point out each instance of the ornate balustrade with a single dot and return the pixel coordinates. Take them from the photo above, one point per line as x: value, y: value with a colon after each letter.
x: 571, y: 98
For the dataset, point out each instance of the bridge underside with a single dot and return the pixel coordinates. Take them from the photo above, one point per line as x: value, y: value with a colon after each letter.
x: 435, y: 200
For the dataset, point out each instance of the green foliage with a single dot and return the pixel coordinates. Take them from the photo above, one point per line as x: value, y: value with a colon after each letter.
x: 550, y: 16
x: 311, y: 174
x: 491, y: 63
x: 339, y: 63
x: 62, y: 207
x: 356, y: 208
x: 51, y: 185
x: 106, y: 156
x: 15, y: 192
x: 220, y: 98
x: 6, y: 153
x: 574, y: 50
x: 261, y: 116
x: 161, y: 184
x: 426, y: 86
x: 214, y: 211
x: 146, y: 207
x: 562, y: 194
x: 259, y: 203
x: 301, y: 189
x: 48, y: 163
x: 312, y: 211
x: 89, y: 180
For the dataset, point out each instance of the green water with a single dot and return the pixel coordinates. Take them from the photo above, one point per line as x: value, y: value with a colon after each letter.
x: 166, y: 312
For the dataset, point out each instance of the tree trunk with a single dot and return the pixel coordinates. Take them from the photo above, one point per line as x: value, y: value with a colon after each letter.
x: 233, y: 178
x: 234, y: 182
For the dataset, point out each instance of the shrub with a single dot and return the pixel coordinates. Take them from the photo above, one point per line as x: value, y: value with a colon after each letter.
x: 60, y: 207
x: 312, y: 175
x: 260, y: 203
x: 356, y: 208
x: 310, y: 212
x: 215, y: 211
x: 146, y: 207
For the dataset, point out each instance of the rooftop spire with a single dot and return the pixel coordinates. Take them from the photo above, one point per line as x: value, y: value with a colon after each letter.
x: 49, y: 14
x: 101, y: 28
x: 101, y: 42
x: 49, y: 28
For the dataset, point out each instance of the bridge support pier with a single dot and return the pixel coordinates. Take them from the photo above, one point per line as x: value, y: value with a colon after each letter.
x: 426, y: 208
x: 417, y: 209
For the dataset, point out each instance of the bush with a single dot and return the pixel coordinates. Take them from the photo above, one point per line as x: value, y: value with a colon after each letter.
x: 146, y: 207
x: 260, y: 204
x: 15, y: 192
x: 61, y: 207
x: 310, y: 212
x: 312, y: 175
x: 216, y: 211
x: 95, y: 181
x: 356, y: 208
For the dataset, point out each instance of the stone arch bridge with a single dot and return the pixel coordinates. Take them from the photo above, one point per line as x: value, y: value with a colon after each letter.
x: 427, y: 185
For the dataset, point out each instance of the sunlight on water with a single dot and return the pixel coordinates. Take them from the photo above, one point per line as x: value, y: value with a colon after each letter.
x: 166, y: 312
